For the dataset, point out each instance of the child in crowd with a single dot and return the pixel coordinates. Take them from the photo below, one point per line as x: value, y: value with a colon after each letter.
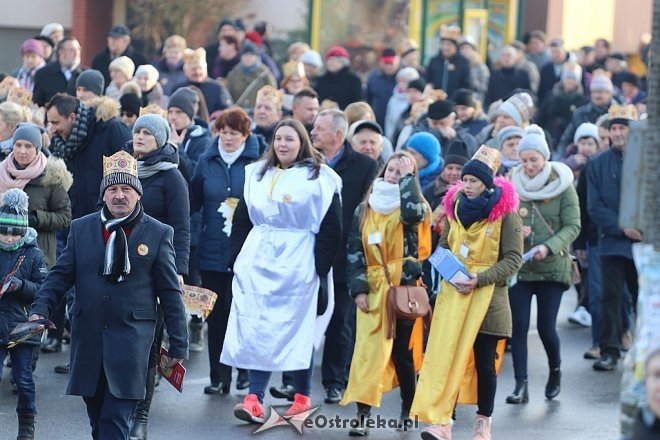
x: 22, y: 264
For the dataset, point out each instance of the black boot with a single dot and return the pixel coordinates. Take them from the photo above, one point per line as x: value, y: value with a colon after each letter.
x: 141, y: 414
x: 553, y: 386
x: 520, y: 394
x: 363, y: 414
x: 406, y: 423
x: 25, y: 428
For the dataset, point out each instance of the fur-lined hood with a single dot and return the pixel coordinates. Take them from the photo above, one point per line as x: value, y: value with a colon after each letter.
x: 508, y: 202
x: 56, y: 174
x: 105, y: 108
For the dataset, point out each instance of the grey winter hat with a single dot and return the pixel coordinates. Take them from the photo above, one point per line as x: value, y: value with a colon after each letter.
x: 92, y: 80
x: 507, y: 133
x: 534, y: 139
x: 26, y: 131
x: 157, y: 125
x: 184, y: 99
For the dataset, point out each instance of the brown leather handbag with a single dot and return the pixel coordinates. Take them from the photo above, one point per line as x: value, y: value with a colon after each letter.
x: 405, y: 302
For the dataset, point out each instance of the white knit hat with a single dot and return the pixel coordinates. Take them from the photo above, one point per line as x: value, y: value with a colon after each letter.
x: 124, y: 64
x: 586, y: 129
x: 150, y: 71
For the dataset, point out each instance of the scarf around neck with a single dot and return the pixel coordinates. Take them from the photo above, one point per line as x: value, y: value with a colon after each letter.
x: 146, y: 171
x: 228, y: 157
x: 13, y: 177
x: 68, y: 149
x: 542, y: 186
x: 29, y: 237
x: 116, y: 264
x: 385, y: 197
x: 470, y: 211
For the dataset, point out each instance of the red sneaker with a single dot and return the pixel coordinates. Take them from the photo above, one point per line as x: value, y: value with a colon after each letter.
x: 250, y: 410
x: 300, y: 404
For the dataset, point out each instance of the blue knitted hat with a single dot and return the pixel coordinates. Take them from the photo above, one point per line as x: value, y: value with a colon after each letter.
x: 425, y: 144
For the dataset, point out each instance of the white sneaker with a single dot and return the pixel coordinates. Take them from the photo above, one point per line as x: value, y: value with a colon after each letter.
x: 580, y: 317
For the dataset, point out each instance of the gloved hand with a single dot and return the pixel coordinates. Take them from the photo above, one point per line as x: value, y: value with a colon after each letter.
x: 32, y: 219
x: 16, y: 285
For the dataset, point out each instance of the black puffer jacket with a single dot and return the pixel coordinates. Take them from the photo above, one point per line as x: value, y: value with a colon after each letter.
x: 165, y: 198
x: 14, y: 306
x: 344, y: 87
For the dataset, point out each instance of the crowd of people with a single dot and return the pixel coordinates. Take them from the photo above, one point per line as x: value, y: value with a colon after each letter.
x: 217, y: 167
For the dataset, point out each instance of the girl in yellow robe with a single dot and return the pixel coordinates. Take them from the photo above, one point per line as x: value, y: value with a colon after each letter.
x: 395, y: 217
x: 484, y: 231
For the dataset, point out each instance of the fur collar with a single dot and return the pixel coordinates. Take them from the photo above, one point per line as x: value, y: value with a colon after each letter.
x: 507, y: 203
x: 56, y: 174
x: 105, y: 108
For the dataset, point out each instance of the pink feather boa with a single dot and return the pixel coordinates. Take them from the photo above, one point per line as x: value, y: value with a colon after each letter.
x: 508, y: 202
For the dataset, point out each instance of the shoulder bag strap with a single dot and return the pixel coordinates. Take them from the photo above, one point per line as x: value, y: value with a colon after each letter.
x: 384, y: 264
x: 547, y: 225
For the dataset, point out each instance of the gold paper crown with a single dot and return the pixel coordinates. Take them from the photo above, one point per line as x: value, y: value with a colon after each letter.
x: 191, y: 56
x: 153, y: 109
x: 269, y: 93
x: 120, y: 162
x: 617, y: 111
x: 20, y: 96
x: 451, y: 32
x: 489, y: 156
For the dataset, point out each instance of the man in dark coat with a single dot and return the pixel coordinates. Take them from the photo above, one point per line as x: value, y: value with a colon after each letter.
x: 604, y: 180
x: 381, y: 83
x: 507, y: 78
x: 82, y: 135
x: 121, y: 262
x: 339, y: 83
x: 440, y: 121
x: 449, y: 70
x: 119, y: 44
x: 551, y: 72
x: 357, y: 173
x: 216, y: 95
x: 59, y: 76
x: 601, y: 97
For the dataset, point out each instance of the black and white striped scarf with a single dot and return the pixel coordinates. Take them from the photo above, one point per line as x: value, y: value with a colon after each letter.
x: 116, y: 264
x: 68, y: 149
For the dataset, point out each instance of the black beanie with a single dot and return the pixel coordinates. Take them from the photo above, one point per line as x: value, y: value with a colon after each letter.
x: 184, y: 99
x: 92, y: 80
x: 417, y: 84
x: 464, y: 97
x: 130, y: 103
x: 480, y: 170
x: 440, y: 109
x: 457, y: 153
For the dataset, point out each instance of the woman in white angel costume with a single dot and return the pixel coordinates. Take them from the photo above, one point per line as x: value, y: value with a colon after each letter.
x: 286, y: 232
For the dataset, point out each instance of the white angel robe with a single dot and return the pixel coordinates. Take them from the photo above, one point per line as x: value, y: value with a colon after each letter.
x: 273, y: 324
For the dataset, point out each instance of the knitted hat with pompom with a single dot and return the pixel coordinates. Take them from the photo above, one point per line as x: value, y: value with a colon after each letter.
x: 14, y: 213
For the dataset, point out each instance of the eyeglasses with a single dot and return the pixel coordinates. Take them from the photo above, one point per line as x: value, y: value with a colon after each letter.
x: 127, y: 114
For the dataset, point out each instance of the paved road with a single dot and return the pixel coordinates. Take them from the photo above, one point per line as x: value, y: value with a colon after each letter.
x: 586, y: 409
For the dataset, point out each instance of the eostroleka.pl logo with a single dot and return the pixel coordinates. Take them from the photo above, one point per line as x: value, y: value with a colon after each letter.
x: 320, y: 421
x: 276, y: 419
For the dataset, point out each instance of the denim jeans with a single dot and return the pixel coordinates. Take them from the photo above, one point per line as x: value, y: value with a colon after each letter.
x: 302, y: 380
x: 21, y: 369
